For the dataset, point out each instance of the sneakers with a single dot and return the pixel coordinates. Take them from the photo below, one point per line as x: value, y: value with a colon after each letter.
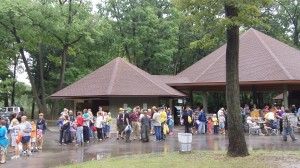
x: 29, y: 153
x: 14, y: 157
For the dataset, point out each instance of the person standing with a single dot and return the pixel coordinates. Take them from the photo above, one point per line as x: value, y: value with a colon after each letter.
x: 287, y: 128
x: 163, y: 120
x: 26, y: 134
x: 41, y: 125
x: 3, y: 142
x: 134, y: 117
x: 145, y: 121
x: 86, y: 124
x: 99, y: 126
x: 65, y: 131
x: 202, y: 121
x: 157, y: 125
x: 79, y: 130
x: 185, y: 118
x: 120, y: 123
x: 127, y: 122
x: 91, y: 116
x: 14, y: 129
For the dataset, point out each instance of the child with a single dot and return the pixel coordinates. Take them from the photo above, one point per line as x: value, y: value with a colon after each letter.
x: 209, y: 125
x: 171, y: 125
x: 39, y: 137
x: 14, y: 127
x: 222, y: 123
x: 33, y: 137
x: 60, y: 122
x: 215, y: 123
x: 107, y: 126
x: 73, y: 131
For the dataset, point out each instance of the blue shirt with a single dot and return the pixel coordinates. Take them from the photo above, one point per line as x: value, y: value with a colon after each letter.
x: 3, y: 137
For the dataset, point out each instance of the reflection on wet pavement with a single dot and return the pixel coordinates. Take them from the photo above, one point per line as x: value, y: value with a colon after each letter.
x: 54, y: 155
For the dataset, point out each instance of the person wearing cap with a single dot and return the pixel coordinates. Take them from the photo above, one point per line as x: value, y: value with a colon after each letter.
x: 41, y: 125
x: 120, y: 123
x: 127, y: 122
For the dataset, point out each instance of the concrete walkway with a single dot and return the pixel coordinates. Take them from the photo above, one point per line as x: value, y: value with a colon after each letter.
x: 54, y: 155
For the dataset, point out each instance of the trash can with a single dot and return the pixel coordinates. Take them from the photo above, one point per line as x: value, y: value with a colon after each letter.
x: 185, y: 142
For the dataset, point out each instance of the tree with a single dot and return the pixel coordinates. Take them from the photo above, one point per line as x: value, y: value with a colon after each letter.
x: 145, y: 31
x: 215, y: 17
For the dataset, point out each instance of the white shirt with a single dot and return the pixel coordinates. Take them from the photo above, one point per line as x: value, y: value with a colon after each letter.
x: 99, y: 121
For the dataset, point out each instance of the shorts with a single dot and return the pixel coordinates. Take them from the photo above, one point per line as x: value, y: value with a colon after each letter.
x: 33, y: 140
x: 3, y: 150
x: 25, y: 139
x: 222, y: 125
x: 120, y: 128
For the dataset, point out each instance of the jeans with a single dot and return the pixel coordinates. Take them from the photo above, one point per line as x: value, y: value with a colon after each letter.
x: 92, y: 133
x: 201, y: 128
x: 145, y: 132
x: 86, y: 133
x: 79, y: 135
x: 186, y: 129
x: 99, y: 133
x: 157, y: 130
x: 216, y: 129
x: 290, y: 131
x: 171, y: 128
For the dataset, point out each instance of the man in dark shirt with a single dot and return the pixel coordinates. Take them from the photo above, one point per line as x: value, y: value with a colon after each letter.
x: 145, y: 121
x: 186, y: 124
x: 127, y: 123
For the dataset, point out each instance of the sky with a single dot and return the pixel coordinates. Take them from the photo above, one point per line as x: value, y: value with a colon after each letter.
x: 23, y: 77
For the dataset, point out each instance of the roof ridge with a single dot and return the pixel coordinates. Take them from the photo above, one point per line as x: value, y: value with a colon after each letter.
x: 210, y: 64
x: 150, y: 78
x: 286, y: 72
x: 113, y: 77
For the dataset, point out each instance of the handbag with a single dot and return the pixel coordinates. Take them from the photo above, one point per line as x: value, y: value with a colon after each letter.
x: 19, y: 137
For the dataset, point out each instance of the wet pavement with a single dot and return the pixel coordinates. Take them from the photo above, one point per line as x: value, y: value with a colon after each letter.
x: 54, y: 155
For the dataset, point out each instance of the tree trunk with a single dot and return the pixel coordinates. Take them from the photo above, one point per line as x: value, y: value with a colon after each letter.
x: 237, y: 144
x: 41, y: 67
x: 61, y: 80
x: 28, y: 70
x: 14, y: 82
x: 296, y: 32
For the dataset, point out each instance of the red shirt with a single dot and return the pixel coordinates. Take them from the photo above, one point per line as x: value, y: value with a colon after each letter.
x: 79, y: 121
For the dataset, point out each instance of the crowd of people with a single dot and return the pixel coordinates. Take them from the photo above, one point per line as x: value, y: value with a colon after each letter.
x: 20, y: 135
x: 138, y: 123
x: 270, y: 120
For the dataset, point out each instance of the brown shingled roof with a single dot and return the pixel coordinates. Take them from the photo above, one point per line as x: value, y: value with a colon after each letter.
x: 117, y: 78
x: 262, y: 59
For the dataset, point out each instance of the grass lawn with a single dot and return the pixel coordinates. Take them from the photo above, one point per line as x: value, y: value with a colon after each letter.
x: 201, y: 159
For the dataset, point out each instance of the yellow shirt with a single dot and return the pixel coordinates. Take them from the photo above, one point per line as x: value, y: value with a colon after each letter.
x: 163, y: 116
x: 215, y: 121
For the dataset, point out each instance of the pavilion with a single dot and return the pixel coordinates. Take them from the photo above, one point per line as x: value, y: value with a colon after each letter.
x: 265, y: 64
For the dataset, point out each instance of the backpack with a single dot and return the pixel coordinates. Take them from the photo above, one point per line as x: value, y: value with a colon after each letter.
x: 189, y: 119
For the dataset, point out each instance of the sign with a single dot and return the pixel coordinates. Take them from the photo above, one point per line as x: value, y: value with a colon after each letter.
x: 145, y: 106
x: 180, y: 101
